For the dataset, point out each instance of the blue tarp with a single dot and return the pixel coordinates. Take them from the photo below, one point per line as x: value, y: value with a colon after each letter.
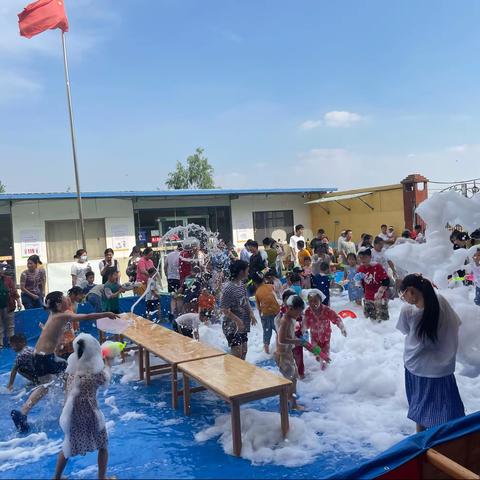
x: 412, y: 447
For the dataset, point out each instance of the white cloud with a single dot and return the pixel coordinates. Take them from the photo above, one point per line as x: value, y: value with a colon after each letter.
x: 310, y: 124
x: 338, y: 119
x: 14, y: 85
x: 19, y: 51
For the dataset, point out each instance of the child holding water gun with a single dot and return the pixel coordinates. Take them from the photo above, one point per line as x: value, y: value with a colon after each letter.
x: 286, y: 339
x: 318, y: 318
x: 82, y: 421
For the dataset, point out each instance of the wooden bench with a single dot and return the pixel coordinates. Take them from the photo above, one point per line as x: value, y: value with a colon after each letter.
x: 166, y: 344
x: 236, y: 382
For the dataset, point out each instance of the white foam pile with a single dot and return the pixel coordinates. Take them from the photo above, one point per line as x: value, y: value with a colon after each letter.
x: 30, y: 449
x: 358, y: 404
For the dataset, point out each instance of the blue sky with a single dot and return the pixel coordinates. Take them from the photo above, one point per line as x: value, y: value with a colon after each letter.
x: 280, y: 94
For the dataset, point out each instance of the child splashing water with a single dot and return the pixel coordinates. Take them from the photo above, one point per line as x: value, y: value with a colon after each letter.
x: 318, y: 318
x: 45, y: 362
x: 82, y: 422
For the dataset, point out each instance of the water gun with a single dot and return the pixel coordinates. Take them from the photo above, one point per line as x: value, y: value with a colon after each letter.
x: 358, y: 277
x: 317, y: 351
x: 112, y: 349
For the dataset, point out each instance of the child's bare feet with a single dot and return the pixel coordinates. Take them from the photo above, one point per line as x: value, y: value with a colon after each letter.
x: 298, y: 408
x: 266, y: 348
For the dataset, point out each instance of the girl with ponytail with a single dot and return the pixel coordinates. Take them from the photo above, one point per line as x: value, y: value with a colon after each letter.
x: 431, y: 328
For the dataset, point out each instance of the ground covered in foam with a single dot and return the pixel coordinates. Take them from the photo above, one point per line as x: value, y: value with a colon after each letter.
x: 354, y: 410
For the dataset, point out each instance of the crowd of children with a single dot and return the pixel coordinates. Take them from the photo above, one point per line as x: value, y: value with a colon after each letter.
x: 295, y: 307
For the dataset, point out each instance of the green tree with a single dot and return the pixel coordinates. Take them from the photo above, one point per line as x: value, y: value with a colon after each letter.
x: 196, y: 174
x: 3, y: 189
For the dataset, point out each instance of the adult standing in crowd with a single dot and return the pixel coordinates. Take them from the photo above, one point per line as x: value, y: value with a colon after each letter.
x: 9, y: 299
x: 245, y: 253
x: 383, y: 232
x: 238, y: 314
x: 171, y: 266
x: 258, y: 262
x: 294, y: 239
x: 106, y: 264
x: 346, y: 245
x: 133, y: 259
x: 80, y: 268
x: 431, y: 328
x: 32, y: 284
x: 143, y: 265
x: 317, y: 241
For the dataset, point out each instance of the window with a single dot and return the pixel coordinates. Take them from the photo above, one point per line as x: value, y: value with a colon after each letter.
x: 64, y: 238
x: 265, y: 223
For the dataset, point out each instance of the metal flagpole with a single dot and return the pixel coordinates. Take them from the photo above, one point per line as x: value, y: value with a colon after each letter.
x: 74, y: 142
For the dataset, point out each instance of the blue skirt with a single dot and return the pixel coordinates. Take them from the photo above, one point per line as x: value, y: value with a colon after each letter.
x: 433, y: 401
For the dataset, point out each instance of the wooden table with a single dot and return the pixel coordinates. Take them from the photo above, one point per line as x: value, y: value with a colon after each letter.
x: 166, y: 344
x: 237, y: 382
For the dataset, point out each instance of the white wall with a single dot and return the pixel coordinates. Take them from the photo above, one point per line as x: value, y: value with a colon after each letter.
x: 243, y: 208
x: 29, y: 217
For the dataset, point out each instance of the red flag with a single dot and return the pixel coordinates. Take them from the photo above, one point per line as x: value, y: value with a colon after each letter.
x: 42, y: 15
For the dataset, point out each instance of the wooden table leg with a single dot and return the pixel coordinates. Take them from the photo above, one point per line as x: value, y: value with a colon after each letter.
x: 186, y: 394
x: 236, y: 428
x: 284, y: 410
x: 140, y: 363
x: 174, y: 387
x: 147, y: 366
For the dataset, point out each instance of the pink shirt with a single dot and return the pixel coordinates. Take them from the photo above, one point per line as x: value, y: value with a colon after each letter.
x: 143, y: 264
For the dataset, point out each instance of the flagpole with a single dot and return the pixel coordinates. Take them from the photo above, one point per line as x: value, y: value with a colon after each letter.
x: 74, y: 142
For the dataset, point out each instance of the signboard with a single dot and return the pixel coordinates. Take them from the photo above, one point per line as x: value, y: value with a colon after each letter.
x: 30, y: 240
x: 120, y: 237
x: 142, y: 236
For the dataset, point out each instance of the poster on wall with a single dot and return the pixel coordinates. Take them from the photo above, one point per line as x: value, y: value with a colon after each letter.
x: 242, y: 231
x: 30, y: 240
x: 120, y: 237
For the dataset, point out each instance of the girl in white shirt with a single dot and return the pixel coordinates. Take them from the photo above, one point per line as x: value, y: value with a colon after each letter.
x: 431, y: 328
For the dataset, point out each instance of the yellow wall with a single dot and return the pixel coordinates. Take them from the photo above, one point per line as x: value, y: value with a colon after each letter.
x: 388, y: 208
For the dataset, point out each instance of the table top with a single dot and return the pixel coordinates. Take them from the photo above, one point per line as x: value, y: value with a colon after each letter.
x: 165, y: 343
x: 231, y: 377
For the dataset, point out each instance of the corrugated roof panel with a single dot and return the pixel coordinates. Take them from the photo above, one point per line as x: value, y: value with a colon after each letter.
x: 162, y: 193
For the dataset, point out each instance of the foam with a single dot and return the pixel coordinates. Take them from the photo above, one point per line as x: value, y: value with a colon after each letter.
x: 29, y: 449
x: 132, y: 416
x: 358, y: 404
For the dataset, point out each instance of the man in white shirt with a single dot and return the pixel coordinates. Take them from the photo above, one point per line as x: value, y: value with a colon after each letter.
x: 172, y: 272
x: 245, y: 253
x: 298, y: 235
x: 346, y: 245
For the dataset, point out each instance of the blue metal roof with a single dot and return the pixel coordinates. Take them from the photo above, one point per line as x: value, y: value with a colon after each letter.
x: 162, y: 193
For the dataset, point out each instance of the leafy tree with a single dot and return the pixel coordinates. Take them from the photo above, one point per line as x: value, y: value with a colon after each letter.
x: 3, y: 188
x: 196, y: 174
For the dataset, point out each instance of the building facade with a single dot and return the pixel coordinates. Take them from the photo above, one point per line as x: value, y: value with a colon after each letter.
x: 47, y: 224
